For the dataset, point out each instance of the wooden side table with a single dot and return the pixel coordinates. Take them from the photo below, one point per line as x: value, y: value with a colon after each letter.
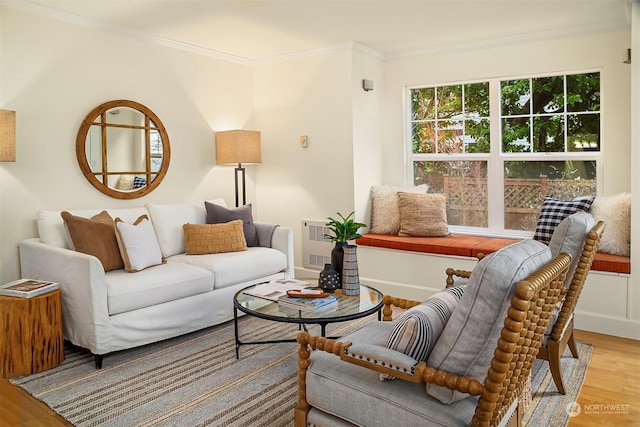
x: 30, y: 334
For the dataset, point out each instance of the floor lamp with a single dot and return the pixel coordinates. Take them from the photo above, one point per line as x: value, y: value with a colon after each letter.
x: 238, y: 147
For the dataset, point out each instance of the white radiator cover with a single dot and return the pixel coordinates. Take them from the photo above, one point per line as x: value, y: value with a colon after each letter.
x: 316, y: 251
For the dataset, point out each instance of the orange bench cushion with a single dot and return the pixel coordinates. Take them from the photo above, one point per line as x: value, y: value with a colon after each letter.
x: 471, y: 246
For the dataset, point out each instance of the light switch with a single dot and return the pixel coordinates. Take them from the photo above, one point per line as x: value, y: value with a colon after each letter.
x: 303, y: 141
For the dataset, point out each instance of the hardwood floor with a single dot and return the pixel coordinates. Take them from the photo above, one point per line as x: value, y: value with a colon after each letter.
x: 609, y: 395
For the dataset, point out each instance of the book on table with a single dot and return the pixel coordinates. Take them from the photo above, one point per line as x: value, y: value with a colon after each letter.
x: 27, y: 288
x: 277, y: 288
x: 308, y: 304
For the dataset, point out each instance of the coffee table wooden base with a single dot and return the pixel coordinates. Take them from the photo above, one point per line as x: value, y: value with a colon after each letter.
x: 30, y: 334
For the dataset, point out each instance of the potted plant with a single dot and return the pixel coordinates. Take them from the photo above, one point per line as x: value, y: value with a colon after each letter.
x: 342, y: 231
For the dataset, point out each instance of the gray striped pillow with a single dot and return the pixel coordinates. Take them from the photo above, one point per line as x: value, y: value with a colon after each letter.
x: 416, y: 331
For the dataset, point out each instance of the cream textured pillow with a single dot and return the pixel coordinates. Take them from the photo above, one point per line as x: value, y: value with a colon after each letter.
x: 423, y: 215
x: 385, y: 213
x: 202, y: 239
x: 615, y: 211
x: 138, y: 244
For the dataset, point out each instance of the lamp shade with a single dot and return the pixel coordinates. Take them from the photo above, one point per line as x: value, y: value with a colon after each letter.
x: 7, y: 136
x: 238, y: 146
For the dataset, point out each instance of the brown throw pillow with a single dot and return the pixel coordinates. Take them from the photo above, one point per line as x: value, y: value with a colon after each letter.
x: 423, y: 215
x: 202, y: 239
x: 95, y: 236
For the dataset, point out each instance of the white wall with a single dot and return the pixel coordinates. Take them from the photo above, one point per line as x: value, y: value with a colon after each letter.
x: 309, y: 96
x: 54, y: 73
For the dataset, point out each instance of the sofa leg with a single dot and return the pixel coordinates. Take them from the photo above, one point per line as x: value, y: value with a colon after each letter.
x: 98, y: 359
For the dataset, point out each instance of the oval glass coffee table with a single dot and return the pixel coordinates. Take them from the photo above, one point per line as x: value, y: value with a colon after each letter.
x: 347, y: 308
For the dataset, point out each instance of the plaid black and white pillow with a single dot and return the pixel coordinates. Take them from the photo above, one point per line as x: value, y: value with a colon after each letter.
x: 139, y: 182
x: 554, y: 211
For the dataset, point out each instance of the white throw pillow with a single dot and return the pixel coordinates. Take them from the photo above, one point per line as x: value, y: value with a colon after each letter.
x: 385, y: 212
x: 615, y: 211
x: 138, y: 244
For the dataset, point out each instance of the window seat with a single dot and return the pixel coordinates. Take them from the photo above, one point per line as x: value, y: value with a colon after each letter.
x: 471, y: 246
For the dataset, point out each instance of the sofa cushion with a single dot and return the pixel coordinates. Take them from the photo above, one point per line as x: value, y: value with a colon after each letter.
x: 336, y: 387
x: 423, y: 215
x: 554, y: 211
x: 231, y: 268
x: 138, y: 244
x: 385, y: 214
x: 468, y: 341
x: 569, y: 237
x: 615, y: 211
x: 202, y: 239
x: 416, y: 331
x: 219, y: 214
x: 155, y: 285
x: 95, y: 236
x: 168, y: 220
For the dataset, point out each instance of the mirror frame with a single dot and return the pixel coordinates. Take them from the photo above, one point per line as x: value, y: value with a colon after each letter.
x: 97, y: 118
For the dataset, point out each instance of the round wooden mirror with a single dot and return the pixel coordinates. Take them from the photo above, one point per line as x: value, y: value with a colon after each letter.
x: 123, y: 149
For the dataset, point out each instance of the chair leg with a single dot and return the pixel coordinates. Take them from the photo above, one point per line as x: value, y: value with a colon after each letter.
x: 554, y: 364
x: 572, y: 344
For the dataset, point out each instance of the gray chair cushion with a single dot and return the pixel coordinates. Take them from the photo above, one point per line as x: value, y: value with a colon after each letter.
x: 356, y: 395
x: 468, y: 341
x: 569, y: 237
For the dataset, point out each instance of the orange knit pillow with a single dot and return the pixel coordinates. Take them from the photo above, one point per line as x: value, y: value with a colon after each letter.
x: 202, y: 239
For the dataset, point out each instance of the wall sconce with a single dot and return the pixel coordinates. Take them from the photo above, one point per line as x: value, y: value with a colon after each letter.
x: 7, y: 136
x: 628, y: 60
x: 238, y: 146
x: 367, y: 85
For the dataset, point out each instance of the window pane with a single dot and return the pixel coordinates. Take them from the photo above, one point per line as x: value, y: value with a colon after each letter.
x: 583, y: 92
x: 515, y: 135
x: 548, y: 134
x: 476, y: 100
x: 583, y: 132
x: 548, y: 94
x: 515, y: 96
x: 449, y: 101
x: 423, y: 102
x: 528, y: 183
x: 424, y: 138
x: 477, y: 138
x: 464, y: 183
x: 450, y: 134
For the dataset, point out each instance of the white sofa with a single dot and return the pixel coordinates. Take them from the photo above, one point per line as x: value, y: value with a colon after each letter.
x: 116, y: 310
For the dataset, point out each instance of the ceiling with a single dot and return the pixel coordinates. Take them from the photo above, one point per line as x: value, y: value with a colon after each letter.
x: 262, y: 30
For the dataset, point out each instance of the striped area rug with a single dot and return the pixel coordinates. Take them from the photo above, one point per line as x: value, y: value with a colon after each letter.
x: 196, y: 380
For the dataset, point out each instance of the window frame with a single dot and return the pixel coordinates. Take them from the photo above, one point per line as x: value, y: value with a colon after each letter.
x: 495, y: 158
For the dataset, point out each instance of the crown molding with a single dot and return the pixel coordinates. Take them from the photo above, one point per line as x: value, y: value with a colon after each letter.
x: 504, y: 41
x: 54, y: 14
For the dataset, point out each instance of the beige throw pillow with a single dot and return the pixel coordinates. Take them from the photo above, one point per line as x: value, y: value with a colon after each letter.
x: 385, y: 213
x: 95, y: 236
x: 423, y: 215
x: 202, y: 239
x: 615, y: 211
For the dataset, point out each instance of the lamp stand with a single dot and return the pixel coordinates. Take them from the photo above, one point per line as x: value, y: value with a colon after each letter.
x: 241, y: 171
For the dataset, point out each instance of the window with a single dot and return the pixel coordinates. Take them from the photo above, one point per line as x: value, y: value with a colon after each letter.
x: 497, y: 148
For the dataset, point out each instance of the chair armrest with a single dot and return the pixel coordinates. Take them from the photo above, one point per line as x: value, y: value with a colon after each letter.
x: 388, y: 301
x: 367, y: 355
x: 465, y: 274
